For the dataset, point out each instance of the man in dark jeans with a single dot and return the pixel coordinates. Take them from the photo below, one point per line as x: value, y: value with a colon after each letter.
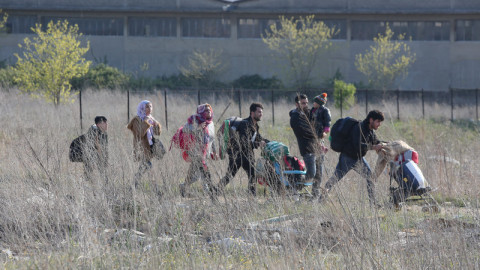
x: 305, y: 133
x: 242, y: 143
x: 362, y: 139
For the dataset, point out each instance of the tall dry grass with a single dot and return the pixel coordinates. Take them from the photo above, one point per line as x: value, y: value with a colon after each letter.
x: 51, y: 217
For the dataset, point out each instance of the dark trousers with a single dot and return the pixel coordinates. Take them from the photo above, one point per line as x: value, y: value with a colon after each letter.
x: 235, y: 162
x: 345, y: 164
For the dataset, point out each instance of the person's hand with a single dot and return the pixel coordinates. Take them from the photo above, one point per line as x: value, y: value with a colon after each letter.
x: 214, y: 156
x: 262, y: 144
x: 324, y: 135
x: 377, y: 147
x: 151, y: 120
x: 202, y: 125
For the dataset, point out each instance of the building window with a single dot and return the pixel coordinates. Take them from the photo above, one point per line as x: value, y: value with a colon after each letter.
x: 254, y: 28
x: 92, y: 26
x: 417, y: 30
x: 157, y: 27
x: 205, y: 27
x: 19, y: 24
x: 340, y: 27
x: 466, y: 30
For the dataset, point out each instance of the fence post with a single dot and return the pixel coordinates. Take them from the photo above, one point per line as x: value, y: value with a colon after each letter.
x: 273, y: 109
x: 341, y: 103
x: 81, y: 116
x: 128, y: 105
x: 239, y: 102
x: 198, y: 96
x: 423, y: 105
x: 166, y: 111
x: 366, y: 101
x: 476, y: 104
x: 398, y: 104
x: 451, y: 104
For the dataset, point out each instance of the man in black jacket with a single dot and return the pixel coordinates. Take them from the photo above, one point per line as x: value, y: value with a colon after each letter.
x: 95, y: 148
x: 362, y: 139
x: 243, y: 142
x: 305, y: 133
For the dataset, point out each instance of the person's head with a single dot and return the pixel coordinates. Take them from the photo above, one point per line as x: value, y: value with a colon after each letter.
x: 101, y: 122
x: 256, y: 111
x: 375, y: 119
x: 205, y: 111
x: 301, y: 100
x: 144, y: 109
x: 320, y: 100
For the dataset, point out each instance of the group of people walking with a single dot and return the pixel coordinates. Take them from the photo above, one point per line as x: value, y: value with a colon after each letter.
x: 311, y: 127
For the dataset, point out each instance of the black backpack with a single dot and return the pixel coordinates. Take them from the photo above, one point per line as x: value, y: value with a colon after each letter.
x: 76, y: 149
x: 340, y: 133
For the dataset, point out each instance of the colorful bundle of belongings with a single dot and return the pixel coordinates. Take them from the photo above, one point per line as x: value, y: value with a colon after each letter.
x: 279, y: 168
x: 409, y: 177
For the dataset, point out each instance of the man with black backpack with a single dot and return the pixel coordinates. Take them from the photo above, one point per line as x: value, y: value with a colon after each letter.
x: 95, y: 148
x: 242, y: 143
x: 353, y: 139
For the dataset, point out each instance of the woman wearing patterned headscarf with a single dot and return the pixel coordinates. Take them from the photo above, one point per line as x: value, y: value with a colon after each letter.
x: 201, y: 126
x: 143, y: 127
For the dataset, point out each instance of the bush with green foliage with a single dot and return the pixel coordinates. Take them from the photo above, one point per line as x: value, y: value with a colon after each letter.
x: 6, y: 78
x: 343, y: 94
x: 257, y: 82
x: 102, y: 76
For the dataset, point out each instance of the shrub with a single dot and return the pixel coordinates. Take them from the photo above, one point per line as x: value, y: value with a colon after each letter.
x: 257, y: 82
x: 102, y: 76
x: 344, y: 94
x: 6, y: 77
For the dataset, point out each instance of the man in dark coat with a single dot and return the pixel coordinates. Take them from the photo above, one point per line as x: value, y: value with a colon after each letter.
x: 242, y: 143
x: 95, y: 148
x: 305, y: 133
x: 362, y: 139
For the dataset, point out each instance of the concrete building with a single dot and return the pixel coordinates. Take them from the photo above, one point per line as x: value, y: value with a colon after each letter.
x: 163, y: 33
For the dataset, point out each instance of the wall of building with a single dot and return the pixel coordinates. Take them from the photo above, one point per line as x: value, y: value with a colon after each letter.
x: 446, y: 62
x: 338, y: 6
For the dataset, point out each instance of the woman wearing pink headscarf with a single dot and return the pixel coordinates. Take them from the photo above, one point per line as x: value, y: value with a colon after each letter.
x: 201, y: 126
x: 143, y: 127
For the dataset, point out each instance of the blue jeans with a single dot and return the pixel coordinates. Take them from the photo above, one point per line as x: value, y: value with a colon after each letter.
x: 345, y: 164
x: 310, y: 164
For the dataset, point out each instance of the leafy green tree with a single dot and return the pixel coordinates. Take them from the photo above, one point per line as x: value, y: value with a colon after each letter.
x: 344, y: 94
x: 3, y: 21
x: 301, y: 41
x: 386, y: 60
x: 50, y: 61
x: 203, y: 67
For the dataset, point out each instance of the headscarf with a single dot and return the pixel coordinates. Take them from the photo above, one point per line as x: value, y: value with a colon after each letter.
x: 201, y: 115
x: 141, y: 109
x: 141, y: 113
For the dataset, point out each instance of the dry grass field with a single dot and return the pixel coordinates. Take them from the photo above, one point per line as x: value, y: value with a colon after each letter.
x: 52, y: 218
